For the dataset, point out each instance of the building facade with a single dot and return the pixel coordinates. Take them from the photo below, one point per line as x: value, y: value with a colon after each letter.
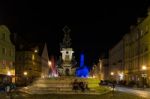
x: 116, y: 64
x: 137, y: 52
x: 7, y: 56
x: 28, y: 66
x: 95, y: 72
x: 104, y: 70
x: 131, y: 56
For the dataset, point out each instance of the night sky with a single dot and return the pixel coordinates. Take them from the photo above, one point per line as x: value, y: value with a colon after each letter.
x: 95, y: 26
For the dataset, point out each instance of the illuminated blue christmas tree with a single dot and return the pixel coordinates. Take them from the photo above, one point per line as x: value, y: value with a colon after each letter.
x: 81, y: 60
x: 82, y: 71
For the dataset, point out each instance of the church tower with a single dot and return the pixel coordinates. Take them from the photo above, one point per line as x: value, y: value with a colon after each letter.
x: 67, y: 66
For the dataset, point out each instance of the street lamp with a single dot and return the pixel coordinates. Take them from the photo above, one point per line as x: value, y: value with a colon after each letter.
x: 9, y: 76
x: 112, y: 80
x: 50, y: 72
x: 100, y: 70
x: 144, y: 75
x: 144, y: 67
x: 112, y: 73
x: 25, y: 74
x: 49, y: 63
x: 8, y: 73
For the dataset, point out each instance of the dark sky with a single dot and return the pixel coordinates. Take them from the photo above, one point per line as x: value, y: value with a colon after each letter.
x: 95, y: 26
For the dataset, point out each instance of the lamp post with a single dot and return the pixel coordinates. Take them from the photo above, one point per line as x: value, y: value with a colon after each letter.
x: 113, y: 83
x: 112, y: 76
x: 50, y: 72
x: 25, y: 74
x: 8, y: 73
x: 9, y: 76
x: 112, y: 73
x: 49, y: 63
x: 144, y: 75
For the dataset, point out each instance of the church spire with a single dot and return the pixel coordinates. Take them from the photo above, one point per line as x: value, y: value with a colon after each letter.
x: 66, y: 40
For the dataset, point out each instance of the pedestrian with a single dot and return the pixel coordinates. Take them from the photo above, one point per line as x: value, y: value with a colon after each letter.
x: 75, y: 85
x: 82, y: 86
x: 113, y: 86
x: 86, y: 86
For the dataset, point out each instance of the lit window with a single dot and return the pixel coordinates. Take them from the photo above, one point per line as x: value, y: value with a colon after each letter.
x: 33, y: 57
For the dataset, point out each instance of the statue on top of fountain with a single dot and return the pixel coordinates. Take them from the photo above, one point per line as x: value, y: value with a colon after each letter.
x: 66, y: 40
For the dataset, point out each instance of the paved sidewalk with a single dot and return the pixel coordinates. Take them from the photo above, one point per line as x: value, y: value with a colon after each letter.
x: 137, y: 91
x: 145, y: 89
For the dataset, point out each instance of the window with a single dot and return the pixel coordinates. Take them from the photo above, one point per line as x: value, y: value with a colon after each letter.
x: 137, y: 36
x: 146, y: 29
x: 10, y: 52
x: 141, y: 33
x: 33, y: 57
x: 146, y: 48
x: 3, y: 36
x: 11, y: 64
x: 4, y: 51
x: 3, y: 63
